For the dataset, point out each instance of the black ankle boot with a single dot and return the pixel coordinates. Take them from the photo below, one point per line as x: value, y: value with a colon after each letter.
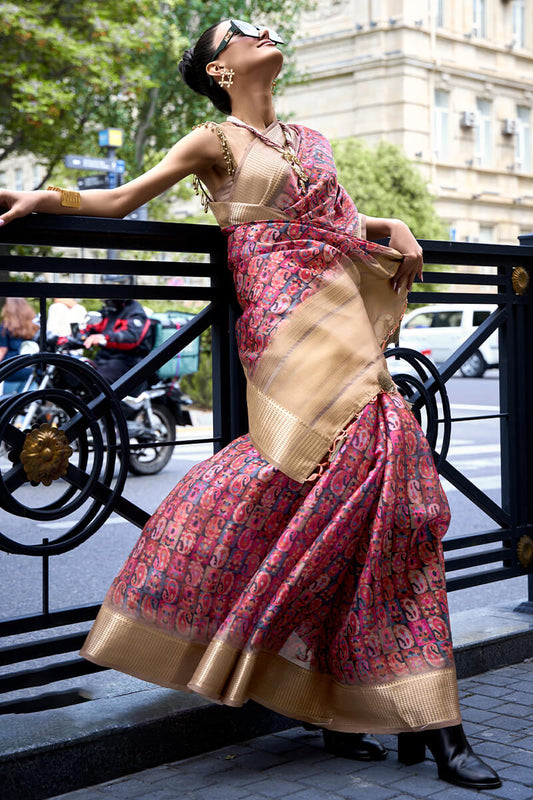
x: 358, y: 746
x: 456, y: 761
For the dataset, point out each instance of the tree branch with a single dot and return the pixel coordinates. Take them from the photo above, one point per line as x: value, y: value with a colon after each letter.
x: 141, y: 133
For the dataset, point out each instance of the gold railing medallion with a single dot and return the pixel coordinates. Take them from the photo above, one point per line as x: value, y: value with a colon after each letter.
x: 45, y: 454
x: 524, y: 550
x: 520, y: 280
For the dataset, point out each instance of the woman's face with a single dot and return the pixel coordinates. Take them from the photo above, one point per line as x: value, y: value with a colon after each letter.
x: 248, y: 54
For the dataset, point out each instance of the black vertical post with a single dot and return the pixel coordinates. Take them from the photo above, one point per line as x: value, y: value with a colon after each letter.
x: 46, y: 582
x: 239, y: 411
x: 525, y: 334
x: 42, y: 324
x: 220, y: 356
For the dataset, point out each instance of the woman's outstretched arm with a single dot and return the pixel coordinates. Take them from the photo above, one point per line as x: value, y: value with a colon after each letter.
x: 198, y: 152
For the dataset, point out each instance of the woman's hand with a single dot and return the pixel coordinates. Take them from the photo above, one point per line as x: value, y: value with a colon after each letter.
x: 412, y: 265
x: 19, y: 204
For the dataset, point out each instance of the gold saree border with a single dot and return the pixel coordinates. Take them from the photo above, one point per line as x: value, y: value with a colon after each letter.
x: 230, y: 213
x: 285, y: 440
x: 312, y: 381
x: 224, y: 674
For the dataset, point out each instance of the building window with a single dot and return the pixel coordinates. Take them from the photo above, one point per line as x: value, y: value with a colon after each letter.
x: 523, y: 139
x: 374, y: 10
x: 479, y: 18
x: 486, y: 234
x: 519, y: 23
x: 36, y: 175
x: 440, y: 14
x: 441, y: 123
x: 19, y: 181
x: 484, y: 132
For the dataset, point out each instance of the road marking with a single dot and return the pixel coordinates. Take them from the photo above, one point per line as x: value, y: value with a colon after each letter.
x: 482, y: 482
x: 469, y: 407
x: 476, y: 463
x: 190, y: 453
x: 475, y: 449
x: 68, y: 523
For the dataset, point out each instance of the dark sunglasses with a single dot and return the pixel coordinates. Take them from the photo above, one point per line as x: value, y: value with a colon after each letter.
x: 238, y: 26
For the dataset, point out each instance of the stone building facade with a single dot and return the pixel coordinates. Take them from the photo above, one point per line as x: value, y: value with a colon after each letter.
x: 448, y: 81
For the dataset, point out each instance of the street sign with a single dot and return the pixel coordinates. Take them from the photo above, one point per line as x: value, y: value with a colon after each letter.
x: 90, y: 162
x: 140, y: 213
x: 93, y: 182
x: 111, y: 137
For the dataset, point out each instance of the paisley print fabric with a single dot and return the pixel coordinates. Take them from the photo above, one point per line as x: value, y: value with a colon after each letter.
x: 339, y: 578
x: 344, y: 576
x: 277, y: 265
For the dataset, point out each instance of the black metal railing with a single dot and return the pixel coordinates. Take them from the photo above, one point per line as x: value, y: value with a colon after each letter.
x: 503, y: 551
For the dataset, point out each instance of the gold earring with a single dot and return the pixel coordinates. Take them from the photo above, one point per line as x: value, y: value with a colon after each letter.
x: 227, y: 78
x: 274, y: 83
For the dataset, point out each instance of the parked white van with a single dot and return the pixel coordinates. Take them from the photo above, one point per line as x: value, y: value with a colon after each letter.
x: 439, y: 330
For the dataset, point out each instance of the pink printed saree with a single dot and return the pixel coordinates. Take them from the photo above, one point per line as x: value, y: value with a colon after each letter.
x: 322, y: 595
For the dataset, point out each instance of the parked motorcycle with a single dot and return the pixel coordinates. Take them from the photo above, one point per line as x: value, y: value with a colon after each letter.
x: 151, y: 416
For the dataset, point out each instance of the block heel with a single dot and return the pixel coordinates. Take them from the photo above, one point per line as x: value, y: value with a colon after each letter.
x: 456, y: 761
x: 411, y: 748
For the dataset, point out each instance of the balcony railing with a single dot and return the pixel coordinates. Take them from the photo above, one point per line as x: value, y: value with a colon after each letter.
x: 503, y: 551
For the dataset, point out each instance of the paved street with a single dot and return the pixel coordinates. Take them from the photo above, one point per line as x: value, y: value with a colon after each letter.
x: 497, y: 709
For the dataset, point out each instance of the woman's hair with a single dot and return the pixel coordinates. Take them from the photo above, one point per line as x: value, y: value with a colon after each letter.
x: 17, y: 317
x: 192, y: 68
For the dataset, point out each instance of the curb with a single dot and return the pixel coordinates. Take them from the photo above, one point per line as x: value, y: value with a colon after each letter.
x: 162, y: 734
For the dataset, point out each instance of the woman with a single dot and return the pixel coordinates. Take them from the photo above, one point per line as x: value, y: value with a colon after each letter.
x: 17, y: 327
x: 300, y: 566
x: 62, y: 314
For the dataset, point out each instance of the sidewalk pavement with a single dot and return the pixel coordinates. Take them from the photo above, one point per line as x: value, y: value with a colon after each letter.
x: 498, y: 718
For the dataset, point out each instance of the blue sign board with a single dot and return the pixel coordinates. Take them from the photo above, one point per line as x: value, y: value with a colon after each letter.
x: 140, y: 213
x: 91, y: 162
x: 94, y: 181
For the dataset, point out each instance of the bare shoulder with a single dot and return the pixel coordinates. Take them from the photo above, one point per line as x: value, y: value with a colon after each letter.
x: 202, y: 136
x: 199, y: 150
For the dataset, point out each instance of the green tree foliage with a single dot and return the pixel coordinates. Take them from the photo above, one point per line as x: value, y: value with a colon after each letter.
x: 384, y: 183
x: 72, y: 67
x: 199, y: 384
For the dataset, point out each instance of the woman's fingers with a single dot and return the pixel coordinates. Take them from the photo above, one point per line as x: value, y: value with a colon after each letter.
x: 17, y: 203
x: 7, y: 217
x: 409, y: 269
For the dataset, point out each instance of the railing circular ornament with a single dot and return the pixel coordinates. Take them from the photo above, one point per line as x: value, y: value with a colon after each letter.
x: 420, y: 384
x: 524, y: 550
x: 45, y: 454
x: 69, y: 441
x: 520, y: 280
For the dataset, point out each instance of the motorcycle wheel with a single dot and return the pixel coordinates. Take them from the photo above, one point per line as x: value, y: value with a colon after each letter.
x: 151, y: 459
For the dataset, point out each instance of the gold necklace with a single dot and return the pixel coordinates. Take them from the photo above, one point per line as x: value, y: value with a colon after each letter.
x: 286, y: 150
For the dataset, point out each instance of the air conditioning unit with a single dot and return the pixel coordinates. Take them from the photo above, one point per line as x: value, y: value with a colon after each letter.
x: 468, y: 119
x: 510, y: 127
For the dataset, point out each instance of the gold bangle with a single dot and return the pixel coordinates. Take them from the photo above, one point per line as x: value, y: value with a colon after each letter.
x: 69, y: 199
